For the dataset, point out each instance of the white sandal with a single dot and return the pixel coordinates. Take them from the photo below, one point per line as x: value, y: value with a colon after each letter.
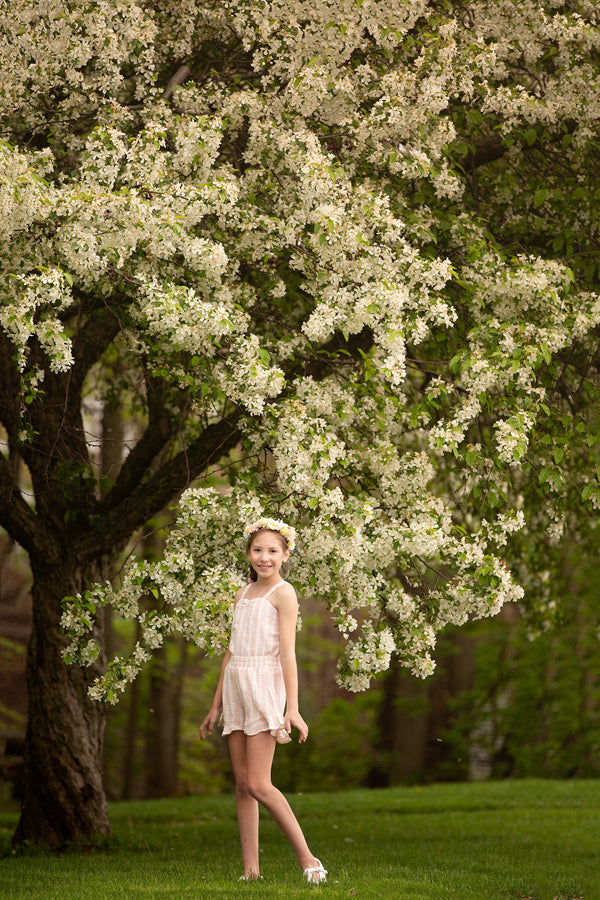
x: 316, y: 875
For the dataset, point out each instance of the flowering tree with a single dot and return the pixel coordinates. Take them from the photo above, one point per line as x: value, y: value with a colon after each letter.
x: 339, y: 258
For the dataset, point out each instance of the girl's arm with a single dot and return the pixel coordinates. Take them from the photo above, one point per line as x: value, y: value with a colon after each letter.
x: 212, y: 718
x: 287, y: 606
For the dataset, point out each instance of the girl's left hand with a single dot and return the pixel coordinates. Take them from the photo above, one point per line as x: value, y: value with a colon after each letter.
x: 209, y: 723
x: 295, y: 719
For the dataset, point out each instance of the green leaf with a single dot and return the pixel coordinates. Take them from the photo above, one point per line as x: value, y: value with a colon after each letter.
x: 475, y: 116
x: 531, y: 136
x: 520, y: 450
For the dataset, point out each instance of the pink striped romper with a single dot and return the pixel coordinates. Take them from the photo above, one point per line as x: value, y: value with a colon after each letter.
x: 253, y: 688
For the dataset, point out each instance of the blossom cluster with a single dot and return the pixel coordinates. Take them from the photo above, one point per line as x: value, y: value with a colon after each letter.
x: 31, y: 309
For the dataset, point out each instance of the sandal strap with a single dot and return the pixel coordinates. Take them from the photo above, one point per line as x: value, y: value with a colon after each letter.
x: 319, y: 870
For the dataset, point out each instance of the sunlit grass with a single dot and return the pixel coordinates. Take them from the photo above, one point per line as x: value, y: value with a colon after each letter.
x: 496, y: 841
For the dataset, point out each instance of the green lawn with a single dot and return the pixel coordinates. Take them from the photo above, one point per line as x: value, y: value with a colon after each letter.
x: 501, y: 840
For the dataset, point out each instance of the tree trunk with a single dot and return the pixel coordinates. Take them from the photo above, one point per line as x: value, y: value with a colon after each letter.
x: 414, y: 715
x: 162, y: 731
x: 63, y: 794
x: 402, y: 729
x: 455, y: 674
x: 110, y: 463
x: 131, y: 733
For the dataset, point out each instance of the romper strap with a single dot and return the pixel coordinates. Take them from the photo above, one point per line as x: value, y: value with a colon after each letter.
x: 274, y: 588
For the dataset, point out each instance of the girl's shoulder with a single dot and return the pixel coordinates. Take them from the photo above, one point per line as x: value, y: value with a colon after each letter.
x: 283, y: 594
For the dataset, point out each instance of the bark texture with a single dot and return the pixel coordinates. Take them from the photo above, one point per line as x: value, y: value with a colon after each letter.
x: 414, y: 716
x: 162, y: 731
x: 63, y: 794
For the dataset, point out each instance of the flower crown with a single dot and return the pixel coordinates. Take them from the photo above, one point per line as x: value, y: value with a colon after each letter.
x: 283, y: 528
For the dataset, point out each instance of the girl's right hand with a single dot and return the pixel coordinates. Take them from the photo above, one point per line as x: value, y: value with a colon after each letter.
x: 209, y: 723
x: 294, y: 718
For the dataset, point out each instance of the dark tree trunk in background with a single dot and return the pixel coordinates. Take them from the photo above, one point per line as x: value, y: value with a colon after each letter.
x: 131, y: 734
x: 401, y: 728
x: 414, y: 715
x: 455, y: 674
x: 162, y: 731
x: 63, y: 795
x: 111, y: 453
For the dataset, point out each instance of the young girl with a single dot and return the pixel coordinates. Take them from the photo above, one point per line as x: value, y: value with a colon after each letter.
x: 258, y: 675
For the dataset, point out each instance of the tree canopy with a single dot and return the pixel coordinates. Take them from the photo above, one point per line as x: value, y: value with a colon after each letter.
x: 340, y: 260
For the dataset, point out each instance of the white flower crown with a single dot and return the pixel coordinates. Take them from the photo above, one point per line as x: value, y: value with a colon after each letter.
x: 283, y: 528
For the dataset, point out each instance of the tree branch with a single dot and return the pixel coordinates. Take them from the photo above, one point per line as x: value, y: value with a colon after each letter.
x: 19, y: 520
x: 181, y: 75
x: 486, y: 150
x: 55, y: 416
x: 94, y: 336
x: 159, y: 432
x: 153, y: 494
x: 10, y: 385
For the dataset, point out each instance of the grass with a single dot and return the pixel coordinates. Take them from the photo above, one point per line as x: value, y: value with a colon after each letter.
x: 493, y: 841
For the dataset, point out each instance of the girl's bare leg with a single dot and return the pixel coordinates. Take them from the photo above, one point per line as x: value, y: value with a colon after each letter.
x: 247, y: 806
x: 259, y: 758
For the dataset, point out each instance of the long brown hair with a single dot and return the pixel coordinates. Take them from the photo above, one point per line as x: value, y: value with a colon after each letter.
x: 252, y: 575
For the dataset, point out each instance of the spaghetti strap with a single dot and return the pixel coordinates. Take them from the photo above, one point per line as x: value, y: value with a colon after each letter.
x: 274, y: 588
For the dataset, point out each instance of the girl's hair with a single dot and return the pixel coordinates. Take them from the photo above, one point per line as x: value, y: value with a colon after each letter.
x: 253, y: 576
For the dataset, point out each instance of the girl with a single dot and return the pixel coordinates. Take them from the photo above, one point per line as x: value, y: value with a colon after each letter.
x: 258, y: 675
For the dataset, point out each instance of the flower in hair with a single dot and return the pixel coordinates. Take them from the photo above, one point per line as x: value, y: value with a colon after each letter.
x: 285, y: 530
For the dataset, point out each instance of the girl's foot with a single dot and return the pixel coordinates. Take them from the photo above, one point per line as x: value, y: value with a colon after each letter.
x: 316, y: 874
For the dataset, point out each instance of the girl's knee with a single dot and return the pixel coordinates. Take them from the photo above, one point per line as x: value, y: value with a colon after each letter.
x: 241, y: 784
x: 261, y: 791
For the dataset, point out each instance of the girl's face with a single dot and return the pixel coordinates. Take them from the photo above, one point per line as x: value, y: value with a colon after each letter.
x: 267, y: 553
